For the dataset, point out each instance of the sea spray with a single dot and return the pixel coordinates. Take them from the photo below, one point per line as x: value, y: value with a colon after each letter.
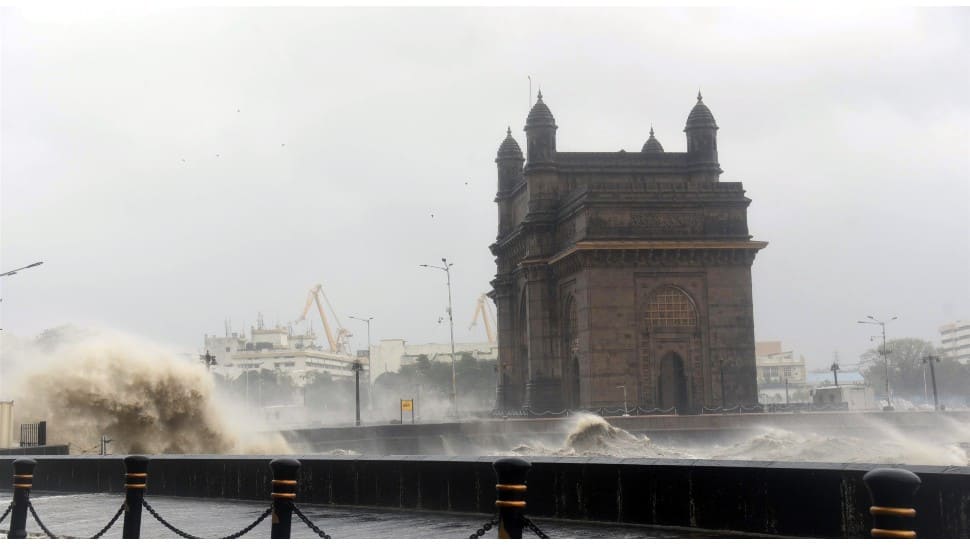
x: 946, y: 444
x: 142, y: 396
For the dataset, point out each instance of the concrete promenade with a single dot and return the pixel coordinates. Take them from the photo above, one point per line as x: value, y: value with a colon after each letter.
x: 81, y: 515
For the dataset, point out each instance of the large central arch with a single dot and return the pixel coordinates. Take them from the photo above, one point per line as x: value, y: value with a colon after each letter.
x: 673, y: 346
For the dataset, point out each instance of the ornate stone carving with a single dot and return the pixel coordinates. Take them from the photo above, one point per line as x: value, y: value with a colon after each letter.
x: 666, y: 223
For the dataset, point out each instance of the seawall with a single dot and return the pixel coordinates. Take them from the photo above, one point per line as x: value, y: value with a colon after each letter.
x: 500, y: 435
x: 785, y: 499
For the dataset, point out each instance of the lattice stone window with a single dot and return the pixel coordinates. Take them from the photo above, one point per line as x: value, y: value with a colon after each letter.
x: 670, y: 307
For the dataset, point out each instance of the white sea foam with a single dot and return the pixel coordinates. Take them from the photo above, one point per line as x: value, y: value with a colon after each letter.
x: 591, y: 435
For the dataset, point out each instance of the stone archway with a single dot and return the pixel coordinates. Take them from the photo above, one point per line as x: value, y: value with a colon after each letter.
x: 672, y: 384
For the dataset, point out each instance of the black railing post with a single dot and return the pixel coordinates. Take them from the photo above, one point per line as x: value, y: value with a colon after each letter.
x: 284, y: 492
x: 510, y: 474
x: 136, y: 481
x: 892, y: 492
x: 23, y: 480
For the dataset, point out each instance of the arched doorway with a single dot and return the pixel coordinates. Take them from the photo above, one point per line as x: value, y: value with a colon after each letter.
x: 673, y: 383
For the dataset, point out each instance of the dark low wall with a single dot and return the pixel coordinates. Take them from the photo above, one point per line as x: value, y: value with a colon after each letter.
x: 787, y: 499
x: 497, y: 435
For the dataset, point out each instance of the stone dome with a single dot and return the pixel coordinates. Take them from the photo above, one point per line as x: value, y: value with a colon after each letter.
x: 652, y: 145
x: 540, y: 115
x: 700, y: 116
x: 509, y: 148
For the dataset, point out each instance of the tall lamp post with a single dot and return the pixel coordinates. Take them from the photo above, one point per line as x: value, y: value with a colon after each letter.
x: 626, y: 411
x: 885, y: 355
x: 451, y: 321
x: 356, y: 368
x: 930, y: 359
x: 370, y: 367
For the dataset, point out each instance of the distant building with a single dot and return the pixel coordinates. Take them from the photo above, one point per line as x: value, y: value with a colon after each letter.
x: 858, y: 397
x: 776, y: 367
x: 956, y: 340
x: 391, y: 354
x: 278, y: 349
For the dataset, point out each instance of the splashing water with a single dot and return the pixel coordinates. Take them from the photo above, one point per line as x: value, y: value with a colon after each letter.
x: 140, y: 395
x: 591, y: 435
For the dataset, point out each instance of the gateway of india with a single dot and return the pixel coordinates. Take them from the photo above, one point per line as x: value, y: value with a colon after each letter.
x: 622, y: 276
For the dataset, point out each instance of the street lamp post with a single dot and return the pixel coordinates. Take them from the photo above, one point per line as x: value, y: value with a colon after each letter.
x: 370, y: 368
x: 930, y: 359
x: 885, y: 355
x: 626, y: 412
x: 451, y: 321
x: 357, y: 368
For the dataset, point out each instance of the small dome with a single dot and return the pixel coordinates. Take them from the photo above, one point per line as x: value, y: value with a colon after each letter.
x: 652, y: 145
x: 540, y: 115
x: 509, y: 148
x: 700, y: 116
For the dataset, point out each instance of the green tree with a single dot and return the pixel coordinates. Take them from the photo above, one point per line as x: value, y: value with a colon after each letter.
x: 905, y: 357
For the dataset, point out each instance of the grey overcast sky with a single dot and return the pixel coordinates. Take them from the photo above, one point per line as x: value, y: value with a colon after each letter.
x: 177, y: 167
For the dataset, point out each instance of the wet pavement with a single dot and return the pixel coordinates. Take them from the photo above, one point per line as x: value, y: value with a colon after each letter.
x: 82, y: 515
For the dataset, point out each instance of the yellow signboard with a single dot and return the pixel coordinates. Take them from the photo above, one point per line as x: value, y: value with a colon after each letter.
x: 407, y: 404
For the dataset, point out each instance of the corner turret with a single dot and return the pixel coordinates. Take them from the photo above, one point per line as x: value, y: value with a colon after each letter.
x: 701, y: 132
x: 540, y: 134
x: 509, y: 161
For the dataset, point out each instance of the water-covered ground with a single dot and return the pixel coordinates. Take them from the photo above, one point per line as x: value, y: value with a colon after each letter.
x: 81, y: 515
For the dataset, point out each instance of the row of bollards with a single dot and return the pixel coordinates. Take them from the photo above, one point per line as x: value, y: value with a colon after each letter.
x: 892, y: 491
x: 136, y: 482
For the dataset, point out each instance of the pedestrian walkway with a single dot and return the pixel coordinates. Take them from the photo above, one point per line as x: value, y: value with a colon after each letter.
x: 81, y: 515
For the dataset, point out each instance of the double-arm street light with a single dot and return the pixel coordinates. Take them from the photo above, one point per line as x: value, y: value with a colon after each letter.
x: 370, y: 365
x: 885, y: 355
x: 370, y: 362
x: 451, y: 321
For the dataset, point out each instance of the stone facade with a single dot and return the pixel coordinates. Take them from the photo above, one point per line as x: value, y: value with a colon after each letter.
x: 622, y: 269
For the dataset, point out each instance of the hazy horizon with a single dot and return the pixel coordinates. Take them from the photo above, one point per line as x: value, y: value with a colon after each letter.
x: 177, y: 167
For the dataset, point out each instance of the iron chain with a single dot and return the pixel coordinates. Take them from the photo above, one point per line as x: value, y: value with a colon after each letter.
x: 7, y: 512
x: 309, y: 524
x: 110, y: 523
x: 30, y: 506
x: 481, y: 531
x: 165, y: 523
x: 535, y: 529
x: 255, y: 523
x: 187, y: 535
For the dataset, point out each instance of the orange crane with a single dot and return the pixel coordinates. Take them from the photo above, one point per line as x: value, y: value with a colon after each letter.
x: 339, y: 344
x: 482, y: 309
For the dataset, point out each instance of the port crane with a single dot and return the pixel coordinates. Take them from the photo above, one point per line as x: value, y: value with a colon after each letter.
x: 339, y: 344
x: 488, y: 318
